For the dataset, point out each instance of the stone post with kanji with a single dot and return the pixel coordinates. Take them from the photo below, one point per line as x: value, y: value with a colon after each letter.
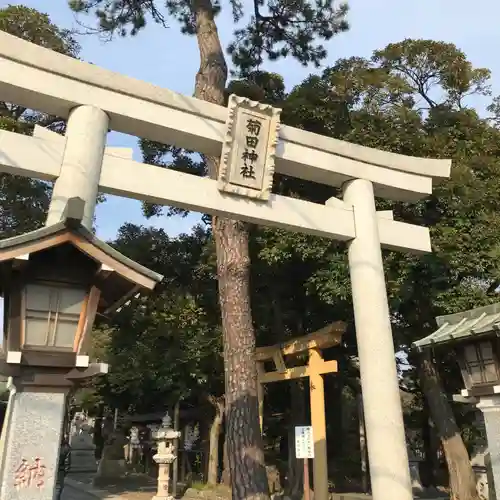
x: 165, y: 456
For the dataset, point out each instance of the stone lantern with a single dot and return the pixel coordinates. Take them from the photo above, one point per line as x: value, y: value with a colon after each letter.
x: 54, y: 282
x: 478, y: 359
x: 474, y: 337
x: 166, y: 454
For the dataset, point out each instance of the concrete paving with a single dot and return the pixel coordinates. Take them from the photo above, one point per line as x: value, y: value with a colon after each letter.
x: 70, y: 493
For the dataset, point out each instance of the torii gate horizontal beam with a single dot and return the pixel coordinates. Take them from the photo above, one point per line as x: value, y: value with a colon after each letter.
x: 44, y: 80
x: 328, y: 336
x: 41, y: 157
x: 323, y: 368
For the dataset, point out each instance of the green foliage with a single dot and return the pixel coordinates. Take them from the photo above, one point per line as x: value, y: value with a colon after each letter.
x: 259, y: 86
x: 273, y: 28
x: 409, y: 98
x: 412, y: 98
x: 167, y: 345
x: 299, y: 283
x: 428, y: 67
x: 36, y: 27
x: 282, y: 29
x: 24, y: 202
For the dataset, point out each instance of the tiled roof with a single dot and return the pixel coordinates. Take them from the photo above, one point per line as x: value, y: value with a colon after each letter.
x: 72, y: 221
x: 460, y: 326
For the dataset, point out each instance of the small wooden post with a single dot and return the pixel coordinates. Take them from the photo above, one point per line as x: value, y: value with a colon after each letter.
x: 307, y: 486
x: 115, y: 420
x: 260, y: 394
x: 175, y: 471
x: 318, y: 422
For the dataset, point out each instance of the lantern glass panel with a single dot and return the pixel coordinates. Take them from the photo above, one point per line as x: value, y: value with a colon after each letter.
x: 52, y: 315
x: 490, y: 368
x: 481, y: 363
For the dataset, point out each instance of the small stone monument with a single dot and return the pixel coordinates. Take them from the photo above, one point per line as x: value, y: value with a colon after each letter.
x: 112, y: 464
x: 191, y: 436
x: 479, y: 459
x: 416, y: 482
x: 165, y: 437
x: 134, y: 445
x: 82, y: 446
x: 479, y: 462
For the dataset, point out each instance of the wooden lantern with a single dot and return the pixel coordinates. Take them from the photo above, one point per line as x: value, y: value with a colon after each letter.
x: 54, y: 281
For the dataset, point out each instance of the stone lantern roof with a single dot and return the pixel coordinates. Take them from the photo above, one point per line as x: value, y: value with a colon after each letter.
x: 462, y: 326
x: 120, y: 278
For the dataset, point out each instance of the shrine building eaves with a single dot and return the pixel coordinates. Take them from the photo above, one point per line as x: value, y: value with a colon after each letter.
x: 46, y: 81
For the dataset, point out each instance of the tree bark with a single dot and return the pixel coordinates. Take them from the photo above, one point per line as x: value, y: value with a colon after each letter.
x: 462, y: 478
x: 428, y: 474
x: 244, y: 441
x: 363, y: 450
x: 175, y: 466
x: 226, y: 473
x: 294, y: 488
x: 245, y: 448
x: 98, y: 438
x: 215, y: 429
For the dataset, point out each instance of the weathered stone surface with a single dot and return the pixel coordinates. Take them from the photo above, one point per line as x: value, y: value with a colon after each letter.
x: 34, y: 433
x: 247, y: 160
x: 112, y: 463
x: 274, y: 480
x: 83, y: 450
x: 218, y: 493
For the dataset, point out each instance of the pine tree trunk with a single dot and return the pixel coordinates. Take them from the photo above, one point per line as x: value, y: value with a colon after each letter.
x: 98, y: 439
x: 428, y: 474
x: 363, y: 450
x: 294, y: 486
x: 244, y: 441
x: 462, y: 477
x: 226, y: 473
x: 215, y: 429
x: 245, y: 449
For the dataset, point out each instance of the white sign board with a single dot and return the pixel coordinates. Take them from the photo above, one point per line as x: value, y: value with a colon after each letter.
x: 304, y: 442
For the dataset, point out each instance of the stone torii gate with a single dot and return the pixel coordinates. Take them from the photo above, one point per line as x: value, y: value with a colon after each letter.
x: 315, y: 367
x: 95, y: 100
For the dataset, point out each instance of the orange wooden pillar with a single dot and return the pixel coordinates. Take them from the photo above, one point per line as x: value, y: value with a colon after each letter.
x: 318, y: 422
x: 260, y: 393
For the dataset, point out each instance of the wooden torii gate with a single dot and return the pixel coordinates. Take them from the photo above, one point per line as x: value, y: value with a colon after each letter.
x: 314, y: 368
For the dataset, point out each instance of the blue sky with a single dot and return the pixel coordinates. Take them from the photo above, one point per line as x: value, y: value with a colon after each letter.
x: 167, y: 58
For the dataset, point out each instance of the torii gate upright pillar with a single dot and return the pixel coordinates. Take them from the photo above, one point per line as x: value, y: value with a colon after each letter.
x: 387, y: 452
x: 82, y: 161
